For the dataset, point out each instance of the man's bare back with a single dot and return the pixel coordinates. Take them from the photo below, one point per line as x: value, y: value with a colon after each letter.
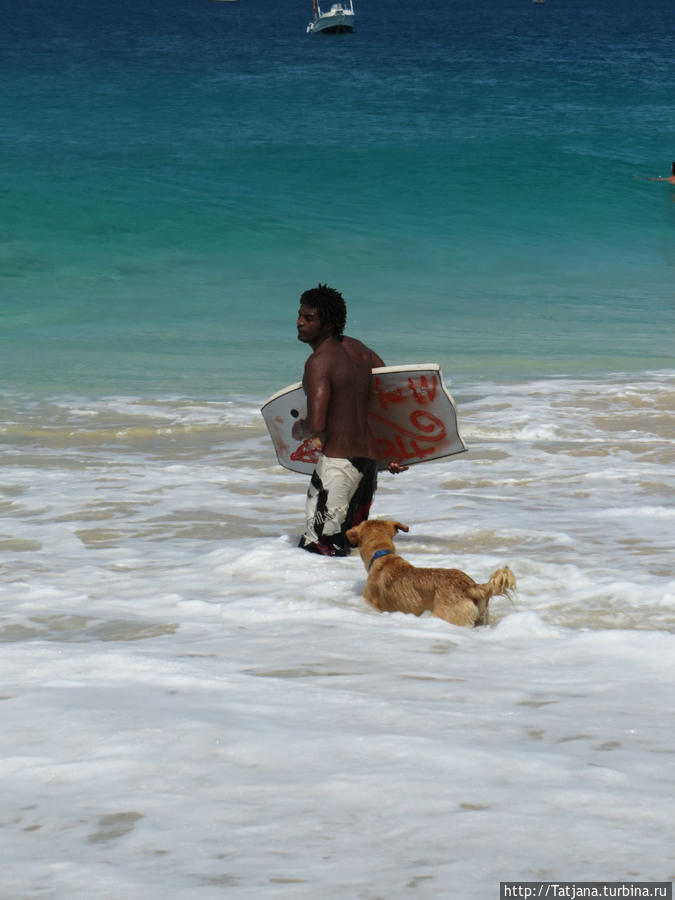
x: 337, y: 382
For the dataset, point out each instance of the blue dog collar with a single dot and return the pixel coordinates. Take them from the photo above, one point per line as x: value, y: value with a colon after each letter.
x: 377, y: 555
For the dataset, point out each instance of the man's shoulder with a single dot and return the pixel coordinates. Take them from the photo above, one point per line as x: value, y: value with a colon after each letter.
x: 357, y: 347
x: 363, y: 351
x: 332, y: 355
x: 335, y: 348
x: 352, y: 342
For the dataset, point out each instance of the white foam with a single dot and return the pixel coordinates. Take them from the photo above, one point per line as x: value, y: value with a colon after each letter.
x: 193, y: 707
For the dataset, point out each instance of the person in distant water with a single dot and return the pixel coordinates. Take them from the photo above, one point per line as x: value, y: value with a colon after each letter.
x: 670, y: 179
x: 337, y: 381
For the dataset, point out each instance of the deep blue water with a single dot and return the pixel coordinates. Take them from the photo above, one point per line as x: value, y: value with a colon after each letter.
x: 177, y: 173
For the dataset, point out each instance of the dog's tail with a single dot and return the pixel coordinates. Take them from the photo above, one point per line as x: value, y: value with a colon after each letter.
x: 501, y: 583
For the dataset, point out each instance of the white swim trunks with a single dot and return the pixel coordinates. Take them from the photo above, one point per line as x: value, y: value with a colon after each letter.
x: 339, y: 496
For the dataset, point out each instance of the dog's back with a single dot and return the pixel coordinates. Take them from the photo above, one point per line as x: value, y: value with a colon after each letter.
x: 449, y: 594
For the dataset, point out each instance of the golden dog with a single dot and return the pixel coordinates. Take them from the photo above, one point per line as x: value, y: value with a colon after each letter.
x: 395, y: 585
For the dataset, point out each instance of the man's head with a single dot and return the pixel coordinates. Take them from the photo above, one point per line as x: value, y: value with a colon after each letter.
x: 329, y: 306
x: 672, y: 169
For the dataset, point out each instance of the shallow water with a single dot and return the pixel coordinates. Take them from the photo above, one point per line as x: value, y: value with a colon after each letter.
x: 194, y: 705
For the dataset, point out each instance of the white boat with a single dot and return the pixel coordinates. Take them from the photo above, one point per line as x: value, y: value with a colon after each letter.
x: 338, y: 20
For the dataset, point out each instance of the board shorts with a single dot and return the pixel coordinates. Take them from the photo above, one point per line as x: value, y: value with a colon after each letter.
x: 339, y: 497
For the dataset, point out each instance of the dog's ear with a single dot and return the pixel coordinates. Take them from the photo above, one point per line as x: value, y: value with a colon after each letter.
x: 399, y: 526
x: 352, y: 536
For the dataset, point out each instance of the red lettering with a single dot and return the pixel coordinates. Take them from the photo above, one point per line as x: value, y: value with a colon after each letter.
x: 384, y: 397
x: 411, y: 443
x: 306, y: 452
x: 402, y: 449
x: 426, y: 427
x: 421, y: 451
x: 422, y: 391
x: 412, y: 430
x: 428, y: 422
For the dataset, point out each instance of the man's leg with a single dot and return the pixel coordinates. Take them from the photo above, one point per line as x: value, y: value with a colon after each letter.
x: 333, y: 494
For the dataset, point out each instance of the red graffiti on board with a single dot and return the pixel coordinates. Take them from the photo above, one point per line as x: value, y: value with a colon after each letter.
x: 419, y: 388
x: 307, y: 452
x: 421, y: 432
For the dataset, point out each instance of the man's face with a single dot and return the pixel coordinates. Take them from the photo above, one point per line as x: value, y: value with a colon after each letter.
x: 309, y: 325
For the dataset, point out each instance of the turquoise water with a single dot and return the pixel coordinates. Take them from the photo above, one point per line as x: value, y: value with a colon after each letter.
x: 177, y: 173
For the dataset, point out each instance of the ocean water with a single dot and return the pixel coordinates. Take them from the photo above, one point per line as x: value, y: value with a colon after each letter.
x: 177, y: 173
x: 193, y: 707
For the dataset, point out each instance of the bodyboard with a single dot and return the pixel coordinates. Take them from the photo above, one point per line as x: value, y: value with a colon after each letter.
x: 412, y: 415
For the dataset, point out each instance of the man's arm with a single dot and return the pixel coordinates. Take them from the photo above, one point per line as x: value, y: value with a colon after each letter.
x: 316, y: 383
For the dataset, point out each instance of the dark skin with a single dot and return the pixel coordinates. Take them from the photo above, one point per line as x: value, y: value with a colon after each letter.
x: 337, y: 382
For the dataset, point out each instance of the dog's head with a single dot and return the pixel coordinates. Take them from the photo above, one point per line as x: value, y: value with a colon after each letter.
x: 374, y: 531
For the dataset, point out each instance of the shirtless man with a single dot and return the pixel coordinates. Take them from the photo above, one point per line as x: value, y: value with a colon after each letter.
x: 337, y: 382
x: 670, y: 180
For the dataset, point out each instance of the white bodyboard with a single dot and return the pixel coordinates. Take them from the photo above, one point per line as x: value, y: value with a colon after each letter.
x: 412, y: 415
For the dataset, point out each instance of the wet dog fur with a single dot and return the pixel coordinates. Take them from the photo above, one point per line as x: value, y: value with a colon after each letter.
x: 394, y: 585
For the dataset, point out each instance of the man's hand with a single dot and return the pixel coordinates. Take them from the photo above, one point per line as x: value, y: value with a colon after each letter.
x: 396, y: 468
x: 299, y: 430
